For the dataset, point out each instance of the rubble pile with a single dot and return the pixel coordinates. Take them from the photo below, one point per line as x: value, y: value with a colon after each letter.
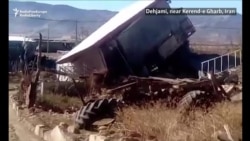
x: 181, y: 93
x: 177, y: 92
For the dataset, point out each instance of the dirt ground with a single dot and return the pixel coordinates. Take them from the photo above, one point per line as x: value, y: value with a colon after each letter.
x: 18, y: 131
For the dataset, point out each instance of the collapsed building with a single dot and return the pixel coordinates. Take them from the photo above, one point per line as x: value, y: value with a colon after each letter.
x: 133, y: 43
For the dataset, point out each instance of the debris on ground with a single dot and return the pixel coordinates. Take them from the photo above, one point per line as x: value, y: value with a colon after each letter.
x: 113, y: 55
x: 73, y: 129
x: 176, y: 93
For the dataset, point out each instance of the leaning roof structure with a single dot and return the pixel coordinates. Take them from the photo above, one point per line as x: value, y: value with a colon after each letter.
x: 115, y: 25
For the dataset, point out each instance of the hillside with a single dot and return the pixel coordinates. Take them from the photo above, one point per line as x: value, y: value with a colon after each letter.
x: 209, y: 28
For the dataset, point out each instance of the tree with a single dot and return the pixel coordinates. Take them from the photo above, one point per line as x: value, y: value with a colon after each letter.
x: 29, y: 86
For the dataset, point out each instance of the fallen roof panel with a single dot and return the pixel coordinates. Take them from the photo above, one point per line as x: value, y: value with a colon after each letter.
x: 105, y: 30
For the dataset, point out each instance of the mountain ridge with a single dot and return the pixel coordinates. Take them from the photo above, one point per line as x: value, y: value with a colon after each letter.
x: 216, y: 29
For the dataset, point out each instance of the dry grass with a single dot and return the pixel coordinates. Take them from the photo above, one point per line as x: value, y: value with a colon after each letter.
x: 15, y: 77
x: 169, y: 125
x: 58, y: 103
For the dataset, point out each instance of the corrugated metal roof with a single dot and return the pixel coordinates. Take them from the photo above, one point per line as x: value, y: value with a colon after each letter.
x: 20, y: 38
x: 108, y: 28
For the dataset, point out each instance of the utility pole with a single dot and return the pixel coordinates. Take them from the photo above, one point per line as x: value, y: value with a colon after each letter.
x: 48, y: 41
x: 76, y: 32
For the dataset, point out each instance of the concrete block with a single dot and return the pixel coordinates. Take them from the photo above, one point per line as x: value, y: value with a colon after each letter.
x: 237, y: 97
x: 58, y: 134
x: 46, y: 135
x: 39, y: 130
x: 17, y: 110
x: 14, y: 106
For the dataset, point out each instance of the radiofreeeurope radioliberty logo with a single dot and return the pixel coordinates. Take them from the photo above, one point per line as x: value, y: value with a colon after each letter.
x: 28, y: 13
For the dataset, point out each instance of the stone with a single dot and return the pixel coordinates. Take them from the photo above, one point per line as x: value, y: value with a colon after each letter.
x: 46, y: 136
x: 237, y: 97
x: 64, y: 125
x: 73, y: 129
x: 39, y: 130
x: 95, y: 137
x: 17, y: 111
x: 57, y: 134
x: 14, y: 106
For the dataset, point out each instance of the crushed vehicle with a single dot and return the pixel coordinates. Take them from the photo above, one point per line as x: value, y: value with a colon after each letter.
x: 127, y: 51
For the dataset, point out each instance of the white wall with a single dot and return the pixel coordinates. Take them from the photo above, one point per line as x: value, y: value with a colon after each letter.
x: 62, y: 68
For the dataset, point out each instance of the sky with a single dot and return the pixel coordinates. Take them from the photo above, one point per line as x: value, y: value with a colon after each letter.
x: 116, y: 5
